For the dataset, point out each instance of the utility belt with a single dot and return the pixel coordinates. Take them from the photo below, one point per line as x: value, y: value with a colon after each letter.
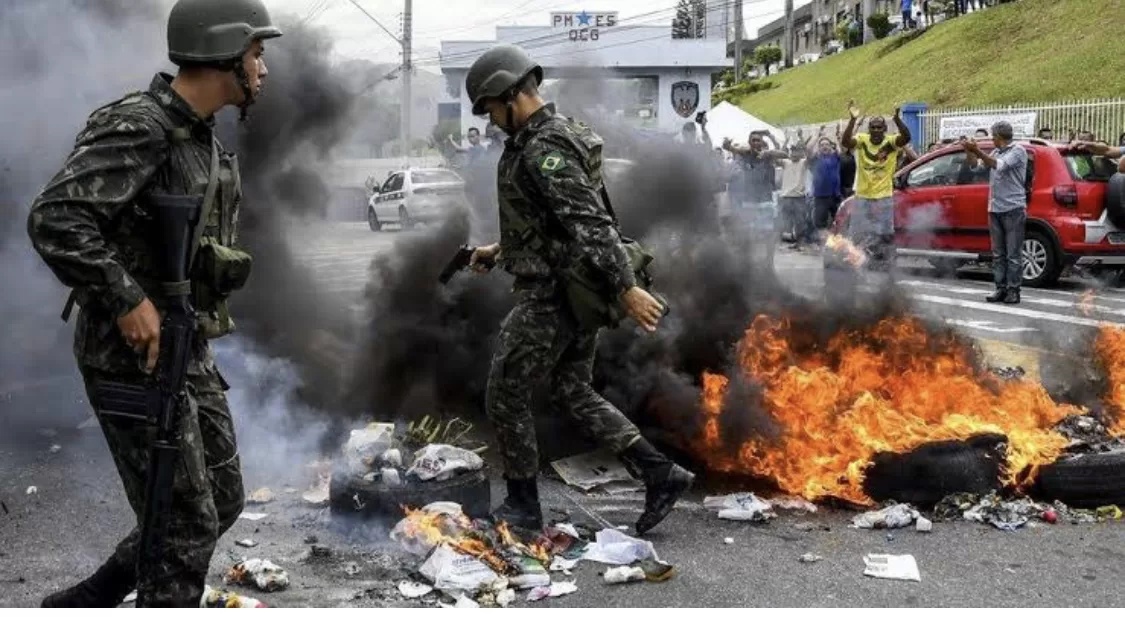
x: 591, y: 300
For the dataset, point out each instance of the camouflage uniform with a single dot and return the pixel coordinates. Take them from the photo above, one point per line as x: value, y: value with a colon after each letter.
x: 550, y: 173
x: 90, y: 226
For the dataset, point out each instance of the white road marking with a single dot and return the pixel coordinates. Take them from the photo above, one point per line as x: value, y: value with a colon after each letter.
x: 1007, y: 309
x: 1028, y: 299
x: 989, y: 326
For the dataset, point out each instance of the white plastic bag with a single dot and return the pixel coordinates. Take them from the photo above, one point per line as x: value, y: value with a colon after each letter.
x: 449, y: 569
x: 366, y: 445
x: 442, y: 461
x: 618, y: 549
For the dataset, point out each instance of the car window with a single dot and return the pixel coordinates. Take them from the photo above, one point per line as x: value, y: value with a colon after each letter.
x: 1090, y: 168
x: 434, y: 176
x: 946, y: 170
x: 387, y: 184
x: 394, y: 183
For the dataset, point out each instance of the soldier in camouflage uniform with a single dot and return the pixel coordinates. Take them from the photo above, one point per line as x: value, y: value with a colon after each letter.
x: 550, y: 178
x: 91, y: 227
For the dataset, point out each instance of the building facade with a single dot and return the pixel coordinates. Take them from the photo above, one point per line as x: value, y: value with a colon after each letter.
x: 671, y: 78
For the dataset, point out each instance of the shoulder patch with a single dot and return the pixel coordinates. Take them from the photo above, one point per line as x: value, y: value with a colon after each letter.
x: 551, y: 162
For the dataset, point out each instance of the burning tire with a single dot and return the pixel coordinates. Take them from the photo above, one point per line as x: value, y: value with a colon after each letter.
x: 348, y: 494
x: 928, y: 473
x: 1086, y: 481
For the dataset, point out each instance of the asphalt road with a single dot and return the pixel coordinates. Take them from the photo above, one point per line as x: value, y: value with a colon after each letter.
x: 60, y: 532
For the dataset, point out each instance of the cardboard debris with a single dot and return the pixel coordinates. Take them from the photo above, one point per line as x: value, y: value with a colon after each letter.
x: 896, y: 567
x: 259, y: 497
x: 595, y: 469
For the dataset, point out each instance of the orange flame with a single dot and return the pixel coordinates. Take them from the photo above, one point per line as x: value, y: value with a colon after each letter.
x: 462, y: 535
x: 889, y: 388
x: 1109, y: 348
x: 846, y: 250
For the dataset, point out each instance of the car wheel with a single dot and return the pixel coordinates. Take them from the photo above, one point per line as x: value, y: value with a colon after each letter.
x: 373, y: 220
x: 404, y: 218
x: 946, y: 267
x: 1041, y: 265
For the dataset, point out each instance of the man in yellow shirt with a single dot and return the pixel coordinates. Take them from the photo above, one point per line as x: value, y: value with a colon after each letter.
x: 872, y: 221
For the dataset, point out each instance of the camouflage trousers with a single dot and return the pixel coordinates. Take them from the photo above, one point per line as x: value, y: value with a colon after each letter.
x: 539, y: 340
x: 207, y: 494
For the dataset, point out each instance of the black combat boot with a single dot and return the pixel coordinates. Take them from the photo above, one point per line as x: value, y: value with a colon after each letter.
x: 521, y: 507
x: 997, y: 296
x: 1012, y: 297
x: 665, y: 482
x: 105, y: 588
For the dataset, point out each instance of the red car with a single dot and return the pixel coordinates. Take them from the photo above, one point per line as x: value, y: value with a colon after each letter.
x: 1074, y: 201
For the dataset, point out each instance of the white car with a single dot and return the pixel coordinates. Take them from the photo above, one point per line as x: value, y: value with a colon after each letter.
x: 415, y: 196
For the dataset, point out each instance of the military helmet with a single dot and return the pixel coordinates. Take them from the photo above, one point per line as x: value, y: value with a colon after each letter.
x: 205, y: 31
x: 496, y: 72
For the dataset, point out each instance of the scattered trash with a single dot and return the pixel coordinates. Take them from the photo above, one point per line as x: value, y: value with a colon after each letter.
x: 623, y: 574
x: 132, y: 596
x: 1050, y: 516
x: 351, y: 568
x: 890, y: 537
x: 253, y: 516
x: 1009, y: 373
x: 569, y: 529
x: 612, y: 547
x: 390, y: 477
x: 55, y: 448
x: 318, y: 552
x: 896, y: 567
x: 562, y: 564
x: 1075, y: 515
x: 221, y: 598
x: 595, y: 469
x: 318, y: 494
x: 741, y: 507
x: 405, y: 532
x: 447, y: 569
x: 728, y: 540
x: 1108, y: 513
x: 442, y: 461
x: 1005, y: 515
x: 656, y: 571
x: 247, y: 543
x: 809, y: 558
x: 924, y: 525
x: 531, y: 574
x: 789, y: 502
x: 891, y: 517
x: 31, y: 490
x: 392, y: 457
x: 464, y: 601
x: 262, y: 573
x: 505, y: 597
x: 366, y: 445
x: 554, y: 590
x: 260, y: 497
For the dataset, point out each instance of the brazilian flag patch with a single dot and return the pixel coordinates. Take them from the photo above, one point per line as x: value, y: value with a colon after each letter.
x: 551, y: 162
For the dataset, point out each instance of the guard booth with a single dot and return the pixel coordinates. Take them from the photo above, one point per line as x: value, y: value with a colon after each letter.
x: 597, y: 61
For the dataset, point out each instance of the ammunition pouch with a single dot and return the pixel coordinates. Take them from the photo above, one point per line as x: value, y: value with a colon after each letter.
x: 219, y: 271
x: 590, y: 300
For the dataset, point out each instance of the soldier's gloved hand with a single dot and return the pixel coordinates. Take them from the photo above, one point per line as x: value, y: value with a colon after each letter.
x: 141, y: 329
x: 484, y: 257
x: 642, y: 308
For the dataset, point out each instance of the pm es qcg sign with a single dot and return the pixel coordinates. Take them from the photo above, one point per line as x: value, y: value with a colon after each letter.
x: 584, y: 26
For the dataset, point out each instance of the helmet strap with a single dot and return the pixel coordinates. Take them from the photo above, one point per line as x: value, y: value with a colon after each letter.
x: 244, y: 83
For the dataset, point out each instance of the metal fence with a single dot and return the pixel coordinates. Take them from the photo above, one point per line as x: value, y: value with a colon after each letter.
x: 1105, y: 118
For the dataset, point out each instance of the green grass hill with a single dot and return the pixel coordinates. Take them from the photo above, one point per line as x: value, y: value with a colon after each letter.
x: 1024, y: 52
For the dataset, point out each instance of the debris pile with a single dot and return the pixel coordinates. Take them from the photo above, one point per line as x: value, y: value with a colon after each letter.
x: 1087, y: 434
x: 741, y: 507
x: 476, y: 561
x: 377, y: 455
x: 260, y: 573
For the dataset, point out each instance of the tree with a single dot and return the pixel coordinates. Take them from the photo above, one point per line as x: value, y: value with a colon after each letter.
x: 880, y: 24
x: 690, y: 21
x: 681, y: 23
x: 768, y: 55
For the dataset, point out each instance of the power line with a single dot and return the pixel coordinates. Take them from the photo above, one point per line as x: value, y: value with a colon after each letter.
x: 377, y: 22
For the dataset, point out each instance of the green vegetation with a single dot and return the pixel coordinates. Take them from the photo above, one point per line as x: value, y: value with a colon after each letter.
x: 767, y: 55
x: 880, y: 24
x: 1022, y: 52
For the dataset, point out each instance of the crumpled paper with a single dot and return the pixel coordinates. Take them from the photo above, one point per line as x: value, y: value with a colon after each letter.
x: 741, y: 507
x: 892, y: 517
x: 1008, y: 515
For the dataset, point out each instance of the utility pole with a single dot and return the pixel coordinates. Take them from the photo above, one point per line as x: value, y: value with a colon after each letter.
x: 737, y: 41
x: 407, y: 68
x: 788, y: 34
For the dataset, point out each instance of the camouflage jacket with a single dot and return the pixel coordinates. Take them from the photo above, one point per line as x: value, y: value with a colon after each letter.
x: 551, y: 175
x: 90, y: 224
